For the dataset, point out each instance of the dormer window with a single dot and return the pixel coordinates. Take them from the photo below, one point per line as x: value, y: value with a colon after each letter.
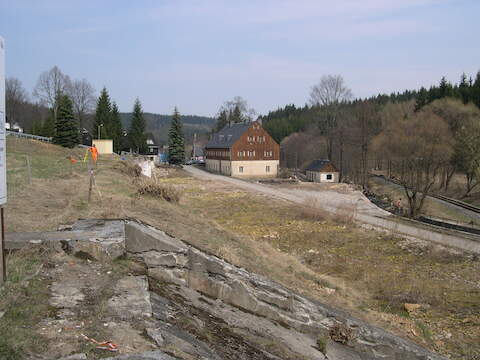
x: 220, y: 138
x: 229, y: 137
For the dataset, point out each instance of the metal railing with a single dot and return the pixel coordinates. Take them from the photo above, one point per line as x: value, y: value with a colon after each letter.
x: 28, y: 136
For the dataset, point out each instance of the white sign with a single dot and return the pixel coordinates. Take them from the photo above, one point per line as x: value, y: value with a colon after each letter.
x: 3, y: 143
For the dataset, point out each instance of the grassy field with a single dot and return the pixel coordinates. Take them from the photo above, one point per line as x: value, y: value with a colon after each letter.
x: 369, y: 274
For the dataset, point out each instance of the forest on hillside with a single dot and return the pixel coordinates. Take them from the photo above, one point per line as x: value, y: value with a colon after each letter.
x: 423, y: 138
x: 157, y: 125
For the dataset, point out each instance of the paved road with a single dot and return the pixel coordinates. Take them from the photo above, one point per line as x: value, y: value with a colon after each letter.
x: 364, y: 212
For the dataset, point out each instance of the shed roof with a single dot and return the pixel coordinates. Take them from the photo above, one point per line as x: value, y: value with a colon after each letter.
x: 226, y: 137
x: 321, y: 165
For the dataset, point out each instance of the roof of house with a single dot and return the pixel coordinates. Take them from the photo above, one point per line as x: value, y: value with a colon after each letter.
x: 226, y: 137
x: 319, y: 165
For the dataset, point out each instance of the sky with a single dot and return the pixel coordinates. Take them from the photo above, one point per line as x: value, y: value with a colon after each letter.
x: 196, y: 54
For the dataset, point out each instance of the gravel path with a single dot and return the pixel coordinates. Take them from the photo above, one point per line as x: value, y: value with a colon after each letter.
x: 364, y: 212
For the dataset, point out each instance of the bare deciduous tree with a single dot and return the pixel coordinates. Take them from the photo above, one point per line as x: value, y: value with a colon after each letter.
x: 82, y: 94
x: 247, y: 113
x: 418, y: 147
x: 15, y: 97
x: 328, y: 95
x: 50, y: 85
x: 329, y: 91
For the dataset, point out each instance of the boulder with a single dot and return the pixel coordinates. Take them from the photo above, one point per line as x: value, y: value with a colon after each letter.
x: 140, y: 238
x: 155, y: 258
x: 169, y: 275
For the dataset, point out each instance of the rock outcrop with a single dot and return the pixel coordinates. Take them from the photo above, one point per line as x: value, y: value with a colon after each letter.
x: 172, y: 261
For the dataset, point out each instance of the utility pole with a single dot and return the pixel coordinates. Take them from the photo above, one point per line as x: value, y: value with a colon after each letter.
x: 99, y: 126
x: 3, y: 163
x: 194, y: 141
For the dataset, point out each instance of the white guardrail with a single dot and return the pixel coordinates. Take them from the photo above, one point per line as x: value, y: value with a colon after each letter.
x: 28, y: 136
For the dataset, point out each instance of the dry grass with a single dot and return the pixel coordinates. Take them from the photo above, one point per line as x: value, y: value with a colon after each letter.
x: 153, y: 187
x: 311, y: 252
x: 128, y: 168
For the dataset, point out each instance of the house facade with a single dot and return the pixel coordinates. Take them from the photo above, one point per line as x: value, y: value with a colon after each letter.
x: 322, y: 171
x: 243, y: 150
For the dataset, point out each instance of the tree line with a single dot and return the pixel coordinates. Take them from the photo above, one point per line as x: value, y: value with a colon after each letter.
x: 68, y: 111
x: 421, y: 138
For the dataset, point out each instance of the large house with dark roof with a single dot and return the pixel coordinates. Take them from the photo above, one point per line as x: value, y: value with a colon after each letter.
x: 243, y: 150
x: 322, y: 171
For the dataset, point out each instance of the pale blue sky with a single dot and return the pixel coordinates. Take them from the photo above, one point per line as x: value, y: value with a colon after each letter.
x: 196, y: 54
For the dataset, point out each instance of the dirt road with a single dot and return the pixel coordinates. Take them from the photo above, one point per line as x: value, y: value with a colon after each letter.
x: 360, y: 208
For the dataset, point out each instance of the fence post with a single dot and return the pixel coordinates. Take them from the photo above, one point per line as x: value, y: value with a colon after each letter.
x: 3, y: 266
x: 29, y: 170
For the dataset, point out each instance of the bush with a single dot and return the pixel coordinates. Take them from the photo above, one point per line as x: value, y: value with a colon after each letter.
x: 322, y: 341
x: 312, y: 211
x: 128, y: 168
x: 341, y: 333
x: 155, y: 188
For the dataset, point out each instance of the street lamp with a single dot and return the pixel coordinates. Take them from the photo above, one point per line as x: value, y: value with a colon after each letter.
x: 99, y: 126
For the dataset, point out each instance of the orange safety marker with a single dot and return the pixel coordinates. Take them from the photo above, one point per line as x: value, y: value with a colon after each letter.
x: 103, y: 345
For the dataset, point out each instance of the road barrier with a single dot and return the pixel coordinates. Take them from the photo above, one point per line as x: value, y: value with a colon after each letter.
x: 28, y: 136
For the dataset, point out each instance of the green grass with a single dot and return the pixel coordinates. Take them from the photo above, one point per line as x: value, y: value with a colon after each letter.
x: 24, y: 304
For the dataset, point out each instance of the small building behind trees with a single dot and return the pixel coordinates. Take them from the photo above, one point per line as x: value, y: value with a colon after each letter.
x: 104, y: 146
x: 322, y: 171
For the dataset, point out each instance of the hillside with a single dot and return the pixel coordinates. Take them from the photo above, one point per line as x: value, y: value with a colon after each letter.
x: 324, y: 257
x: 159, y: 124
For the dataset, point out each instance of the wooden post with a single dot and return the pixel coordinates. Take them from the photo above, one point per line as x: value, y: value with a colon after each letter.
x: 3, y: 267
x: 90, y: 187
x: 29, y: 170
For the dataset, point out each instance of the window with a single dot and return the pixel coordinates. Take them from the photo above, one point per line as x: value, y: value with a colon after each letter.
x: 268, y: 153
x: 329, y: 176
x: 250, y: 139
x: 240, y: 169
x: 267, y: 169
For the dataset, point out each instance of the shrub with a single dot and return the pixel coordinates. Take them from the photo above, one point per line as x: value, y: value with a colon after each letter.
x: 322, y: 341
x: 313, y: 211
x: 128, y: 168
x: 342, y: 333
x: 345, y: 214
x: 153, y: 187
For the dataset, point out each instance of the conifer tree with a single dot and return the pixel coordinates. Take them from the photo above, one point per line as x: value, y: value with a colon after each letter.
x: 176, y: 142
x: 222, y: 120
x: 116, y: 131
x: 422, y: 99
x: 48, y: 126
x: 445, y: 89
x: 103, y: 116
x: 236, y: 115
x: 464, y: 89
x: 136, y: 134
x: 66, y: 127
x: 475, y: 90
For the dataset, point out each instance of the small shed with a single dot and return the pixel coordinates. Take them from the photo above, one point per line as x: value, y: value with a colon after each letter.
x: 322, y: 171
x: 104, y: 147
